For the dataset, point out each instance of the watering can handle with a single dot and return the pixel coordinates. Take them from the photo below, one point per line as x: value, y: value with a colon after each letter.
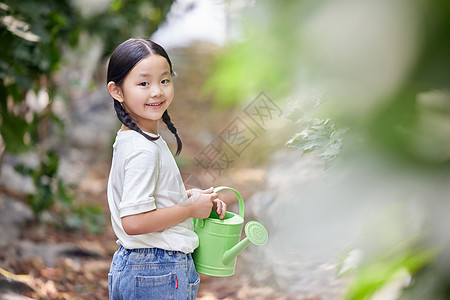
x: 239, y: 197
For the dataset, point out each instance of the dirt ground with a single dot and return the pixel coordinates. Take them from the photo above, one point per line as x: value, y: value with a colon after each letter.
x: 80, y: 271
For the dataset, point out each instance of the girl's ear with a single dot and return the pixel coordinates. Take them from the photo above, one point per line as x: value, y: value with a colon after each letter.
x: 115, y: 91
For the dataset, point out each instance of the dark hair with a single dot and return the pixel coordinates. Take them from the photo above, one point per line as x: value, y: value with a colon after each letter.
x: 122, y: 60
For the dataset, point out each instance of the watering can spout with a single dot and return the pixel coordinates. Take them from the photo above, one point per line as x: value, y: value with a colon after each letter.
x: 255, y: 233
x: 231, y: 254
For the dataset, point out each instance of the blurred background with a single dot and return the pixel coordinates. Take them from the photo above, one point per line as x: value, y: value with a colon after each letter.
x: 331, y: 118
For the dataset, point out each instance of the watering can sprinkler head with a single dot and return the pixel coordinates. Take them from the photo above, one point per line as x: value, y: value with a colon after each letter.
x: 256, y: 233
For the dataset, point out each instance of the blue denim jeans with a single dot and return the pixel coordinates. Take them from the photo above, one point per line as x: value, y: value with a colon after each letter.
x: 152, y: 273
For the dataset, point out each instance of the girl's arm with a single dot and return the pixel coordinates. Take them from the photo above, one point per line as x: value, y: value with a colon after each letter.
x: 199, y: 206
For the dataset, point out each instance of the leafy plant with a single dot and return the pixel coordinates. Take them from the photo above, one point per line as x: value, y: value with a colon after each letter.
x: 51, y: 190
x: 374, y: 275
x: 34, y: 36
x: 126, y: 18
x: 85, y: 216
x: 319, y: 135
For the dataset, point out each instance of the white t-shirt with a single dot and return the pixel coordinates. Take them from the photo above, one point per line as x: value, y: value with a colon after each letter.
x: 144, y: 176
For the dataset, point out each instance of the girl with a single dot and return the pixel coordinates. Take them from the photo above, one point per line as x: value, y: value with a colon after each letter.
x: 151, y: 212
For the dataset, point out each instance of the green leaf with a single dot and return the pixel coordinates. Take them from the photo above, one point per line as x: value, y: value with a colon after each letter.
x: 320, y: 135
x: 374, y: 275
x: 116, y: 5
x: 23, y: 170
x: 14, y: 130
x: 63, y: 195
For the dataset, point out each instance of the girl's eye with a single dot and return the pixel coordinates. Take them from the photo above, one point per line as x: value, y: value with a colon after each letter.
x: 144, y: 83
x: 165, y: 81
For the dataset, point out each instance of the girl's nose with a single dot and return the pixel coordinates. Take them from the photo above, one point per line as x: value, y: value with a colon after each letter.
x: 155, y: 91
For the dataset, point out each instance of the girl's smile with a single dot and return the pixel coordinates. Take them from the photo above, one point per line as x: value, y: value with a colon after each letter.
x: 155, y: 105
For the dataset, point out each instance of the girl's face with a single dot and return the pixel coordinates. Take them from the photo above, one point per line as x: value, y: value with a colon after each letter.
x: 146, y: 92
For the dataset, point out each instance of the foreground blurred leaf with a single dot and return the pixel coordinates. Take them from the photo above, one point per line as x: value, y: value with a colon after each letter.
x: 320, y: 135
x: 374, y: 275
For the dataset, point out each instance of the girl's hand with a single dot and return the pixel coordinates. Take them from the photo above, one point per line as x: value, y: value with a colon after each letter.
x: 220, y: 208
x: 202, y: 202
x: 196, y: 191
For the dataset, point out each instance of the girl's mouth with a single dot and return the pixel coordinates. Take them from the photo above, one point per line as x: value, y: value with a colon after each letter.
x: 155, y: 105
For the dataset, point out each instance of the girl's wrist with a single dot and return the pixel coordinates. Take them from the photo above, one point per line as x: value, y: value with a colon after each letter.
x: 187, y: 207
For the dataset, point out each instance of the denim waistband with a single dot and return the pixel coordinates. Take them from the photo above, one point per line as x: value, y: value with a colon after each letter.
x: 155, y: 251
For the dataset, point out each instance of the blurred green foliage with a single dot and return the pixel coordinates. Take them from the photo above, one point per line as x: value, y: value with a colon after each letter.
x: 46, y: 183
x: 287, y: 42
x: 384, y: 69
x: 320, y: 135
x: 397, y: 267
x: 51, y: 191
x: 126, y: 18
x: 267, y: 56
x: 33, y: 37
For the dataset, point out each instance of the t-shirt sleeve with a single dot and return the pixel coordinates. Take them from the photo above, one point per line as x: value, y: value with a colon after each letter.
x: 140, y: 178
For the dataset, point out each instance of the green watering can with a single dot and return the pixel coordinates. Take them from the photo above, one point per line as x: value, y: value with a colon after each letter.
x: 219, y: 240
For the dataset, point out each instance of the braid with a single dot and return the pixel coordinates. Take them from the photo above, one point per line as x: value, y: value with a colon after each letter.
x: 126, y: 120
x: 166, y: 119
